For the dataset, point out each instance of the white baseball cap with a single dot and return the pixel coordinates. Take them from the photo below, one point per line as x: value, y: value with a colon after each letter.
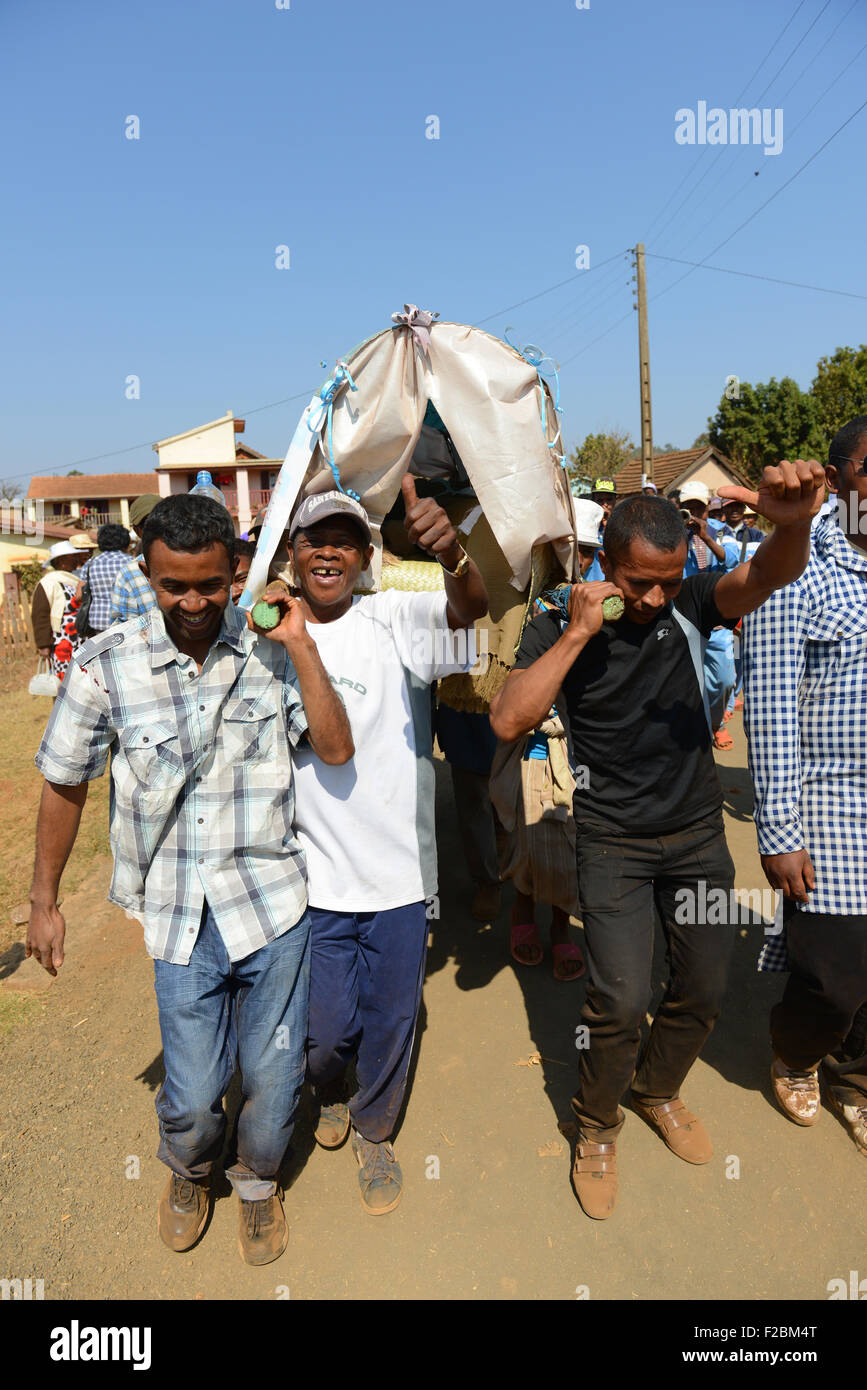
x: 588, y: 516
x: 695, y: 492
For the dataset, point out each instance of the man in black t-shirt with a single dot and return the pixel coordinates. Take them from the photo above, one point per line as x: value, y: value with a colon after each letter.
x: 649, y: 821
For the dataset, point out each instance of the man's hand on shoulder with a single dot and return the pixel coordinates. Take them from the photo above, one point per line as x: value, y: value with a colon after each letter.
x: 585, y: 607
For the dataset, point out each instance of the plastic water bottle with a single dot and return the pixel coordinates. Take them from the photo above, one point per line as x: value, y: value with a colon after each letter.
x: 206, y: 487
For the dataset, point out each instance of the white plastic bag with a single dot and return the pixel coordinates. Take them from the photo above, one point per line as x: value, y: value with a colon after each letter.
x: 44, y: 682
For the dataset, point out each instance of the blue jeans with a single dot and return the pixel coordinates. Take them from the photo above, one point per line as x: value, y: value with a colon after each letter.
x: 366, y: 977
x: 719, y: 672
x: 213, y: 1014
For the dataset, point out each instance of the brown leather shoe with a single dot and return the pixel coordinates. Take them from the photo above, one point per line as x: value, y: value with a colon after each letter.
x: 683, y: 1133
x: 182, y: 1212
x: 594, y: 1176
x: 262, y: 1231
x: 797, y: 1093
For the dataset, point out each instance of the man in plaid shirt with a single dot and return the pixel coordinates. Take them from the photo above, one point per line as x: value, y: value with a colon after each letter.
x: 101, y: 571
x: 805, y: 675
x: 132, y: 595
x: 200, y: 718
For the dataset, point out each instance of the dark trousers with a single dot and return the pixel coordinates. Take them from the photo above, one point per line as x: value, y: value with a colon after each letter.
x: 621, y: 879
x: 366, y: 976
x: 476, y: 827
x: 822, y: 1015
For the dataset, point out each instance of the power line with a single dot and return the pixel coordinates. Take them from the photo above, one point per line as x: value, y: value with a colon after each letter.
x: 580, y: 302
x: 794, y: 130
x: 818, y: 53
x: 594, y: 341
x: 583, y: 312
x: 749, y: 275
x: 738, y: 100
x: 830, y: 85
x: 786, y: 61
x: 755, y: 103
x: 767, y: 201
x: 305, y: 395
x: 148, y: 443
x: 571, y: 279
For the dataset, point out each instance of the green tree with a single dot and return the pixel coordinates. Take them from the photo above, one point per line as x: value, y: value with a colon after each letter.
x: 599, y: 456
x: 29, y: 572
x: 839, y: 390
x: 766, y: 423
x: 75, y: 473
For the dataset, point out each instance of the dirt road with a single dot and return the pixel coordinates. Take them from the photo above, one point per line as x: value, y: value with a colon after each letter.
x: 487, y: 1210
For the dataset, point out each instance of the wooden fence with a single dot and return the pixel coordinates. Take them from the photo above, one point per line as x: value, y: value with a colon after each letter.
x: 16, y: 633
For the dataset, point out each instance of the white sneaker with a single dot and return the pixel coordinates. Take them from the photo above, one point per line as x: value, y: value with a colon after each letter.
x: 797, y: 1092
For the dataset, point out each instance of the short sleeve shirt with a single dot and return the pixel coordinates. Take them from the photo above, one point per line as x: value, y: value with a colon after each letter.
x: 637, y: 717
x: 367, y: 826
x: 202, y: 790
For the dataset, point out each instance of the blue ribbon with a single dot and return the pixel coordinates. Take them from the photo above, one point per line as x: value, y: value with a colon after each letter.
x: 535, y: 357
x: 326, y: 410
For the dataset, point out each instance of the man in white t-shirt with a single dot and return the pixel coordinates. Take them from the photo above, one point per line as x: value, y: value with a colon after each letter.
x: 368, y: 832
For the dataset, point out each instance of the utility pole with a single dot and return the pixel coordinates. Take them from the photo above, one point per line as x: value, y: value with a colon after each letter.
x: 644, y: 367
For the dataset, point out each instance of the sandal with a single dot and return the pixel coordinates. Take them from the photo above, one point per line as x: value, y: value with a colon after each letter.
x: 564, y: 953
x: 723, y: 740
x: 525, y: 934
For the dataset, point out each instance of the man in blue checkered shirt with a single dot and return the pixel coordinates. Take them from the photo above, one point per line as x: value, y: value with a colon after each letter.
x: 805, y: 674
x: 101, y: 571
x: 200, y: 718
x: 132, y: 595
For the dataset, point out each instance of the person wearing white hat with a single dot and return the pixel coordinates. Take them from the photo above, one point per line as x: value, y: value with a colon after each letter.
x: 54, y: 605
x: 589, y: 516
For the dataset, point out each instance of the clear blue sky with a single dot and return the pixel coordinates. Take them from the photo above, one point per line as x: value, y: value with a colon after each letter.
x: 306, y: 127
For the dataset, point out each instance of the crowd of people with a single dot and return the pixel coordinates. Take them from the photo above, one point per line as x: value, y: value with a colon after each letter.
x: 272, y: 823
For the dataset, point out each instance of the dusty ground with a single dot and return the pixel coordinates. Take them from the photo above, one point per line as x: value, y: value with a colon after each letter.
x: 81, y: 1064
x: 22, y: 720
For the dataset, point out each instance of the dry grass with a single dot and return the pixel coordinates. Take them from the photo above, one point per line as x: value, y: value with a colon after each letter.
x: 22, y: 721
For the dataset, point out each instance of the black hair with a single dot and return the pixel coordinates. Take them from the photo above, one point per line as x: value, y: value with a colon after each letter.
x: 187, y: 523
x: 245, y: 548
x: 112, y: 536
x: 652, y: 519
x: 846, y: 440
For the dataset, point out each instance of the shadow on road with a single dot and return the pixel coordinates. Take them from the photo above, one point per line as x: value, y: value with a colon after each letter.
x: 738, y: 1048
